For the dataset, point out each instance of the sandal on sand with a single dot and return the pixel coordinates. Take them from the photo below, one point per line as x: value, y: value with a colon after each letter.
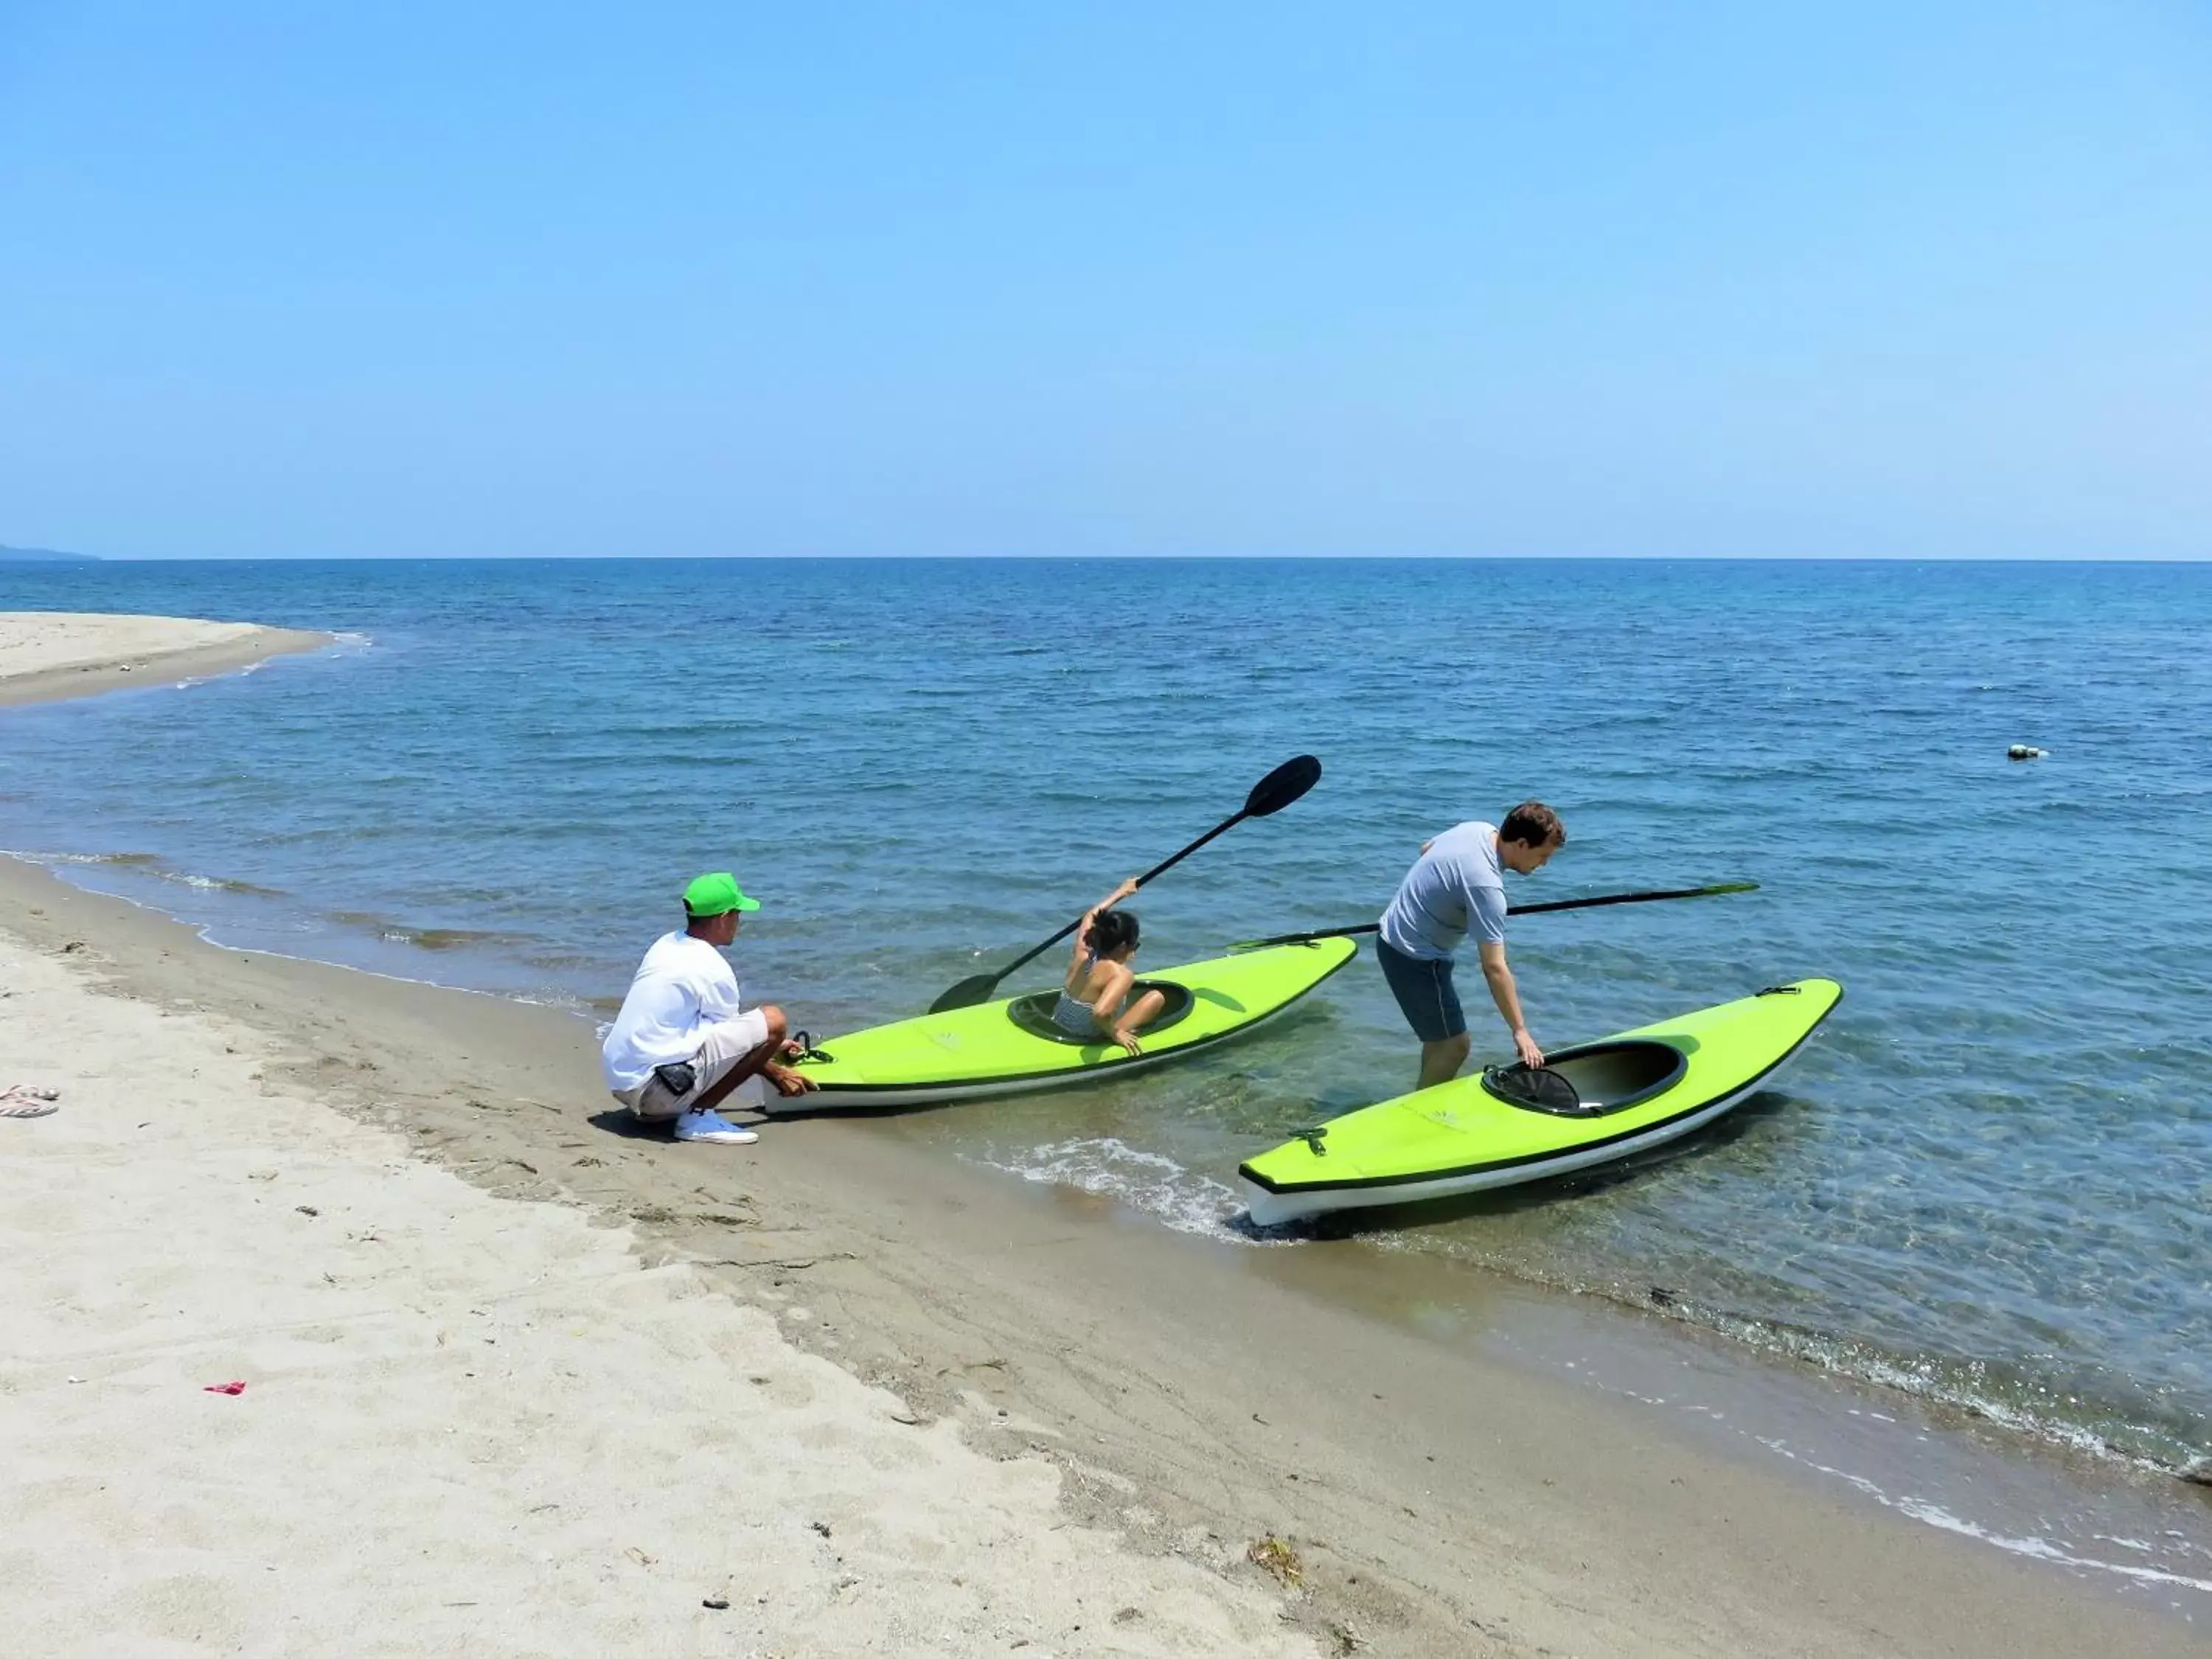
x: 22, y: 1100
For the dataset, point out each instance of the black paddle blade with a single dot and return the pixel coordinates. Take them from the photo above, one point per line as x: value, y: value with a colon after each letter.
x: 976, y: 987
x: 1282, y: 786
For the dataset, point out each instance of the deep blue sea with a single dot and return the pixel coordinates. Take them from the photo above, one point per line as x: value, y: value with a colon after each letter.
x: 1988, y: 1180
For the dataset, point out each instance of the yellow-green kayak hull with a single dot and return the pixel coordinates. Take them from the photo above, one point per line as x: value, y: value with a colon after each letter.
x: 1010, y: 1047
x: 1636, y: 1090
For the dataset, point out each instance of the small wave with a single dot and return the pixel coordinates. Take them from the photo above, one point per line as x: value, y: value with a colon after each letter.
x: 1935, y: 1514
x: 154, y: 865
x: 428, y: 938
x: 1150, y: 1182
x: 1970, y: 1386
x: 1934, y: 1381
x: 221, y: 884
x: 191, y: 681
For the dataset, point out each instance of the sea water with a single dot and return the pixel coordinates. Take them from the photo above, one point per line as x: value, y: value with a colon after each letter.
x: 1987, y: 1180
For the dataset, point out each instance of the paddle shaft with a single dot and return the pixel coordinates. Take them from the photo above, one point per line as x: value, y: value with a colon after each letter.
x: 1517, y: 910
x: 1220, y: 828
x: 1286, y: 783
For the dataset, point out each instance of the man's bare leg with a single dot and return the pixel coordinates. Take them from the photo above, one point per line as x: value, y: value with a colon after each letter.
x: 749, y: 1065
x: 1440, y: 1062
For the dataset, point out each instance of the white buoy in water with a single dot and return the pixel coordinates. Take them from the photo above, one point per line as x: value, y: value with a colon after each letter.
x: 2025, y: 751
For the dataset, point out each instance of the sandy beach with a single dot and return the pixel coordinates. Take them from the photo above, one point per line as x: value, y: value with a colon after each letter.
x: 49, y: 654
x: 517, y: 1380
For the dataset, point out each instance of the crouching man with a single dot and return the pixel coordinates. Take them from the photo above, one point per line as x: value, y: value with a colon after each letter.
x: 683, y: 1041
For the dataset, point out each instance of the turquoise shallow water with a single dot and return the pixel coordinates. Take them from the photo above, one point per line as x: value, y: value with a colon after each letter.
x: 1988, y: 1180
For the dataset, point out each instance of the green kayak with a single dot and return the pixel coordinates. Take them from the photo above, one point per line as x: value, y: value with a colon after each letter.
x: 1012, y: 1046
x: 1639, y: 1089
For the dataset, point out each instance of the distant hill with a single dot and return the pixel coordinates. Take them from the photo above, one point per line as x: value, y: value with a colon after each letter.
x: 42, y: 555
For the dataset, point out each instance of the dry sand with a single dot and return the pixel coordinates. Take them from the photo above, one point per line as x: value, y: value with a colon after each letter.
x: 526, y: 1383
x: 49, y: 654
x: 470, y: 1422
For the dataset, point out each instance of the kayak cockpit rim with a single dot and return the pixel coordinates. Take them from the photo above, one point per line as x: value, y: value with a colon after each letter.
x: 1609, y: 1076
x: 1033, y: 1014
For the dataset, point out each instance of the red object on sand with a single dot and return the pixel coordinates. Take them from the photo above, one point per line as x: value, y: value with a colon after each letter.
x: 224, y: 1388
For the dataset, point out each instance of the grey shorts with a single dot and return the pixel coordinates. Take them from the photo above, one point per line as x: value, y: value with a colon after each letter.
x: 1424, y: 994
x: 721, y: 1046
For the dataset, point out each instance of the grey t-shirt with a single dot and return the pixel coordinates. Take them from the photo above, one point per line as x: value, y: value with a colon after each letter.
x: 1454, y: 889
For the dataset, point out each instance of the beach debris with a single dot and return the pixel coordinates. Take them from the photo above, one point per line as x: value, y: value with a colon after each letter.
x: 1123, y: 1615
x: 2025, y: 751
x: 2198, y: 1471
x: 1347, y: 1637
x: 638, y: 1556
x: 1661, y: 1297
x: 822, y: 1527
x: 720, y: 1603
x: 1275, y: 1557
x: 223, y: 1387
x: 307, y: 1209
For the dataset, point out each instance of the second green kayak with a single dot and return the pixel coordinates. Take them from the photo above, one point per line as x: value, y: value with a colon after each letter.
x: 1012, y: 1046
x: 1639, y: 1089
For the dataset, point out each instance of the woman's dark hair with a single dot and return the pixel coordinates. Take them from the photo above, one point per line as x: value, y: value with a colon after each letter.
x: 1110, y: 930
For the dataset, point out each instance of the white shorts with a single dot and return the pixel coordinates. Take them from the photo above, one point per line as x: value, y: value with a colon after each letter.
x: 721, y: 1046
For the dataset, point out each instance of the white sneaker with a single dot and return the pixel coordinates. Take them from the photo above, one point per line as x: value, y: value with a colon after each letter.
x: 712, y: 1126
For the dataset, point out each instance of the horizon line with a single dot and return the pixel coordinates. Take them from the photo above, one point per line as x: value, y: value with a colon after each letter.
x: 1101, y: 558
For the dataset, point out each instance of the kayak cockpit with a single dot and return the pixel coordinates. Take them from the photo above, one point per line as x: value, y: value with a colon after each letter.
x: 1605, y: 1077
x: 1033, y: 1014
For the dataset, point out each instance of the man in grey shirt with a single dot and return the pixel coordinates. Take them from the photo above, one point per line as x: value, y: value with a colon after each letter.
x: 1457, y: 887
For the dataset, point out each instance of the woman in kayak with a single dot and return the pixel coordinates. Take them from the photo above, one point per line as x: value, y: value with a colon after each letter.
x: 1099, y: 978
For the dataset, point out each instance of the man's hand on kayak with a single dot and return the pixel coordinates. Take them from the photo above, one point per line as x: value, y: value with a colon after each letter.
x: 1531, y: 1055
x: 786, y: 1081
x: 1128, y: 1042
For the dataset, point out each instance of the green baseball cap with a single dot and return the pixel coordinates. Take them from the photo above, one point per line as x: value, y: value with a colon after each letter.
x: 716, y: 894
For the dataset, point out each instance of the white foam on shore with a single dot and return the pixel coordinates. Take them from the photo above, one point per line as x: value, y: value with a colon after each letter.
x: 1842, y: 1358
x: 1935, y: 1514
x: 1149, y: 1182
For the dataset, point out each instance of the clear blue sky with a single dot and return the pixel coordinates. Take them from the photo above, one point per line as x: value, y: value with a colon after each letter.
x: 1861, y: 279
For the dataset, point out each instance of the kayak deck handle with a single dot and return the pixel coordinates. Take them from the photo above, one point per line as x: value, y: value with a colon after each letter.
x: 1783, y: 991
x: 1313, y: 1139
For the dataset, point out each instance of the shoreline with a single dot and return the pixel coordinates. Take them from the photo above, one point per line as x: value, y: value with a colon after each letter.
x: 1177, y: 1384
x: 51, y: 656
x: 1478, y: 1466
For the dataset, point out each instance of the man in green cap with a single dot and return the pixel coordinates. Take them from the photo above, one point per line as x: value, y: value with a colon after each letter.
x: 683, y: 1042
